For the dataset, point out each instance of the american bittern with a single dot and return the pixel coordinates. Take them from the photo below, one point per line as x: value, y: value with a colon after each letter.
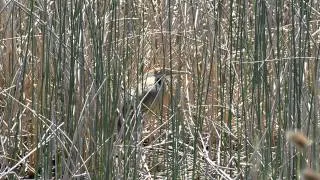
x: 153, y: 89
x: 149, y: 93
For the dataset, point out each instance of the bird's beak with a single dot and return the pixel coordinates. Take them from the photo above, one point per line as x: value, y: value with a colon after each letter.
x: 174, y: 72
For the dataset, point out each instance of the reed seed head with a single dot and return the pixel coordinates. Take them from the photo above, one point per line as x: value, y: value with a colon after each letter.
x: 298, y: 138
x: 309, y: 174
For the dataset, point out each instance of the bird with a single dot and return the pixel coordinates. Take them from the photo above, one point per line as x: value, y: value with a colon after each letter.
x: 153, y: 88
x: 148, y: 95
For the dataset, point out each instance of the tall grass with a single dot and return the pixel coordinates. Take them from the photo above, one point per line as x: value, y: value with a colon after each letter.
x: 68, y: 70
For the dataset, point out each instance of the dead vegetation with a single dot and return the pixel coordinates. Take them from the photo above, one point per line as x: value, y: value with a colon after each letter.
x: 66, y: 68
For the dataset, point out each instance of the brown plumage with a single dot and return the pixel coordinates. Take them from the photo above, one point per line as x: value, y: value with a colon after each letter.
x: 153, y: 89
x: 150, y: 93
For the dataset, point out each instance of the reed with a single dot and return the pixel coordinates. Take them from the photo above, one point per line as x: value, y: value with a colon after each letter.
x: 67, y: 69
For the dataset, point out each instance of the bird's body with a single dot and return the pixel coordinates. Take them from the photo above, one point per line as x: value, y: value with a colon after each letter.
x: 151, y: 91
x: 150, y: 94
